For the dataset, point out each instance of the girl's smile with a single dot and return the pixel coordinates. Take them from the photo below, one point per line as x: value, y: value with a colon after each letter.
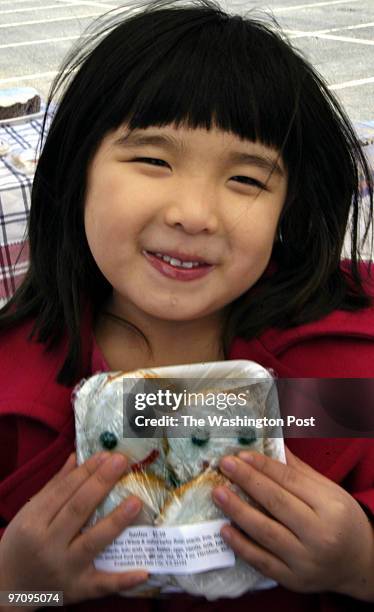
x: 182, y: 217
x: 180, y: 269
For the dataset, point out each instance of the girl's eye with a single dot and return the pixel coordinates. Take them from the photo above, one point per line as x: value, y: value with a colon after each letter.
x: 152, y: 161
x: 246, y: 180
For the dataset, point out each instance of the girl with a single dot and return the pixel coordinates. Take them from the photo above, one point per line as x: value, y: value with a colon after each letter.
x: 190, y: 205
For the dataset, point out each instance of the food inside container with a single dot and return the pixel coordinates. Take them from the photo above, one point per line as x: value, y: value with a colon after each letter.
x: 174, y: 424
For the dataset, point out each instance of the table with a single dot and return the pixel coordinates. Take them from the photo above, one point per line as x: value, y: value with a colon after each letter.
x: 15, y: 197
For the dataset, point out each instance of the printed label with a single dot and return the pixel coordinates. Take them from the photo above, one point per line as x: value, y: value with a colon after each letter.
x: 184, y: 549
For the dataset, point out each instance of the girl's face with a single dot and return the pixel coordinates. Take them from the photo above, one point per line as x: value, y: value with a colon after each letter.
x: 202, y: 195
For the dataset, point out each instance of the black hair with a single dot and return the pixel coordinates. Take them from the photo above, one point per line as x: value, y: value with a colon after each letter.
x: 192, y: 63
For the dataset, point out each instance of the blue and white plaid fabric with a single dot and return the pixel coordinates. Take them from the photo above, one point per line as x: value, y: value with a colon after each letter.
x: 15, y: 197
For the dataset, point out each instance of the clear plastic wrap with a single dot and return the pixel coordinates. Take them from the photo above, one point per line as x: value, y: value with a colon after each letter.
x: 174, y: 468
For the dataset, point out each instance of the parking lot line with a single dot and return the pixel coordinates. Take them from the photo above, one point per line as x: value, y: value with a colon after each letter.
x: 348, y: 39
x: 87, y: 3
x: 34, y: 8
x: 42, y: 41
x: 13, y: 2
x: 43, y: 21
x: 283, y: 9
x: 29, y: 77
x: 355, y: 83
x: 306, y: 33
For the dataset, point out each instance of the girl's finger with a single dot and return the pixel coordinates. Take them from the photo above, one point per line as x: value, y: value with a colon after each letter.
x: 82, y: 501
x: 49, y: 501
x: 94, y: 540
x: 101, y: 584
x: 266, y: 563
x: 270, y: 534
x: 288, y: 476
x: 68, y: 466
x: 284, y: 506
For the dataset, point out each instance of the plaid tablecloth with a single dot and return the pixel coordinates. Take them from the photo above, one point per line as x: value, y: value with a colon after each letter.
x: 15, y: 196
x: 15, y: 191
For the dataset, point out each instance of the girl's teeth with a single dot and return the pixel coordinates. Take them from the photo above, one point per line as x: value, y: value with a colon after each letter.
x: 176, y: 262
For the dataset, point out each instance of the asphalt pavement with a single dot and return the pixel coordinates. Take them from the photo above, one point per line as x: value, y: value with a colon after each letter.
x: 337, y: 36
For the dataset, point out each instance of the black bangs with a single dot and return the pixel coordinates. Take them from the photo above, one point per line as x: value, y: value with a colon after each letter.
x: 197, y: 66
x: 222, y: 72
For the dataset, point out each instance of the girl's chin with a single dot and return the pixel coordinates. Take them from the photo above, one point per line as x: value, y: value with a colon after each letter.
x: 171, y: 313
x: 166, y: 308
x: 176, y: 309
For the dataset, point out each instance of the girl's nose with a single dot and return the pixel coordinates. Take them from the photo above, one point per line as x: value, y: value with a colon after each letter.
x: 194, y: 213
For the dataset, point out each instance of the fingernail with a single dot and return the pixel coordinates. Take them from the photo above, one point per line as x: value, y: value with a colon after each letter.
x: 228, y: 465
x: 131, y: 506
x: 119, y: 462
x: 247, y: 457
x: 220, y: 495
x: 102, y: 457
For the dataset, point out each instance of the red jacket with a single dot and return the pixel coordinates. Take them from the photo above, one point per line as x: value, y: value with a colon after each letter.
x: 37, y: 432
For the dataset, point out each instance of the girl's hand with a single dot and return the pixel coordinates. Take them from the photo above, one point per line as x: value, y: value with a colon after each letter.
x: 42, y: 547
x: 312, y: 535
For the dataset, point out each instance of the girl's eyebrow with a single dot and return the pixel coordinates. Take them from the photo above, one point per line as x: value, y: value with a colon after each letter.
x: 134, y: 140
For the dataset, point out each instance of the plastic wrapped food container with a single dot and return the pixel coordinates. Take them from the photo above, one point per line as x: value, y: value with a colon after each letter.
x: 174, y: 424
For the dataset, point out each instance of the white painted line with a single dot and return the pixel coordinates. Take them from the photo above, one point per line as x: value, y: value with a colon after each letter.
x: 355, y: 83
x: 29, y: 77
x: 348, y: 39
x: 370, y: 24
x: 35, y: 8
x: 13, y: 2
x: 43, y: 21
x: 283, y: 9
x: 43, y: 41
x: 297, y: 33
x: 110, y: 6
x: 301, y: 34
